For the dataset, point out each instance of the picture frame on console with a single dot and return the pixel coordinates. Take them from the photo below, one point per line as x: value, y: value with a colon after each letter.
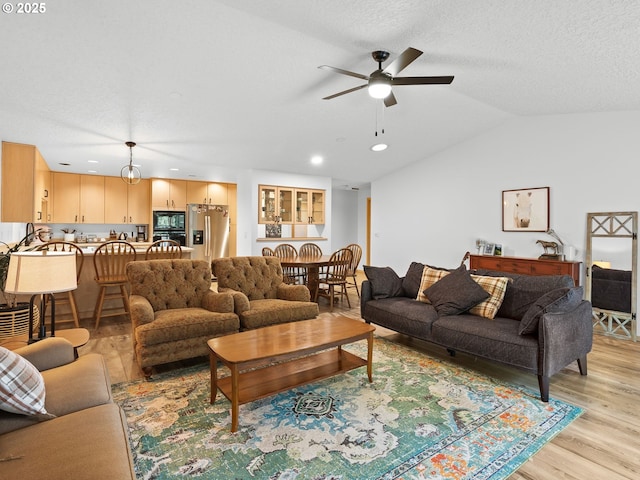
x: 488, y: 249
x: 525, y: 210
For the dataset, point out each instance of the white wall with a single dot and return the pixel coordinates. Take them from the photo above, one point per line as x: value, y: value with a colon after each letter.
x: 345, y: 218
x: 434, y: 210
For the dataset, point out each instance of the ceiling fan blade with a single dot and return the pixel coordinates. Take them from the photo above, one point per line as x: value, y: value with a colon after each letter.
x: 400, y: 63
x: 345, y: 91
x: 422, y: 80
x: 344, y: 72
x: 390, y: 100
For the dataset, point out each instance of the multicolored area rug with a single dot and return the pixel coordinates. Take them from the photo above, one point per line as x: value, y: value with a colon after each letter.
x: 420, y: 419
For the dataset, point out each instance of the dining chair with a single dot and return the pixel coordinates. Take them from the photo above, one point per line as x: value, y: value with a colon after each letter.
x: 356, y: 251
x: 310, y: 250
x: 291, y: 274
x: 67, y: 298
x: 335, y: 276
x: 110, y: 261
x: 163, y: 249
x: 267, y: 252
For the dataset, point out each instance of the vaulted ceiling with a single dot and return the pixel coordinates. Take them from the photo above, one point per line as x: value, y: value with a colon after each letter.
x: 206, y: 87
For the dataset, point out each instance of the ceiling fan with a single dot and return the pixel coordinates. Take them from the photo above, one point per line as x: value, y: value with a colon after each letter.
x: 379, y: 82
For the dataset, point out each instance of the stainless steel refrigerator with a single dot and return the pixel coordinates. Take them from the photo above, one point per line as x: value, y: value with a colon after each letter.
x: 208, y: 231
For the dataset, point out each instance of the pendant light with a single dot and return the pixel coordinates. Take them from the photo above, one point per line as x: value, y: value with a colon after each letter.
x: 130, y: 174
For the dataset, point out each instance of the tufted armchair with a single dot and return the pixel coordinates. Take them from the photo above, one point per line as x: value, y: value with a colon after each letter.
x: 260, y: 296
x: 174, y: 311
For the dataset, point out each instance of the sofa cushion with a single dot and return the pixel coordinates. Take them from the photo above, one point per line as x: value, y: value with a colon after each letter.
x: 272, y: 311
x: 430, y: 275
x: 22, y: 388
x: 402, y: 314
x: 523, y: 290
x: 496, y: 288
x: 469, y: 333
x: 385, y: 282
x: 557, y: 300
x: 87, y: 445
x: 411, y: 280
x: 455, y: 293
x: 184, y: 323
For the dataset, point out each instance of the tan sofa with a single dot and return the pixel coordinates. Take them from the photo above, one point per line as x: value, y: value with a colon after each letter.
x: 261, y: 297
x: 174, y: 311
x: 87, y: 439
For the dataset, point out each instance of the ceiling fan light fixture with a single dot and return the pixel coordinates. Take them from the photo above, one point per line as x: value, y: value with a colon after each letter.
x: 130, y: 173
x: 379, y: 85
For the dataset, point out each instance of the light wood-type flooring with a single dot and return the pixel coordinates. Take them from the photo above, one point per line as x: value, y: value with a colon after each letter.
x: 604, y: 443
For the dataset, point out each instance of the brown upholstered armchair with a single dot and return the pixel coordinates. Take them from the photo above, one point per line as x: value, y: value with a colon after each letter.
x: 260, y: 295
x: 174, y: 311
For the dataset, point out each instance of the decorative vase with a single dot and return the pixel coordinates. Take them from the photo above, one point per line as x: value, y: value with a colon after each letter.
x: 14, y: 321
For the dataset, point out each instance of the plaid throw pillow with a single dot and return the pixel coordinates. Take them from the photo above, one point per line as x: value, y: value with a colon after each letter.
x: 429, y: 277
x: 21, y: 385
x: 496, y: 288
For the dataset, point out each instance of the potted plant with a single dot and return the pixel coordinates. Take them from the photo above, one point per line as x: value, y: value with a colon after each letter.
x: 14, y: 315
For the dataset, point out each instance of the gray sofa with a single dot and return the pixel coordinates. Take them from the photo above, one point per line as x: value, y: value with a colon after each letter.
x: 89, y: 436
x: 541, y: 326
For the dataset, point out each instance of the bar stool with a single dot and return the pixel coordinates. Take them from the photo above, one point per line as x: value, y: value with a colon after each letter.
x: 110, y: 260
x: 162, y: 249
x: 67, y: 298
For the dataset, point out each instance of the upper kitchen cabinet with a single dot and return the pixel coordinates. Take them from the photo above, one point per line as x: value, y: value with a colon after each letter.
x: 26, y: 184
x: 124, y: 203
x: 275, y: 204
x: 310, y: 206
x: 78, y: 199
x: 168, y: 194
x: 207, y: 193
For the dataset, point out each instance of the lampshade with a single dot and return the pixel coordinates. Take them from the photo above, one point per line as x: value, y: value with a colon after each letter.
x: 41, y: 272
x: 602, y: 264
x: 379, y: 85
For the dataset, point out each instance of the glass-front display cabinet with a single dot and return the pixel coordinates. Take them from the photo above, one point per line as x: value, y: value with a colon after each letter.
x: 275, y: 204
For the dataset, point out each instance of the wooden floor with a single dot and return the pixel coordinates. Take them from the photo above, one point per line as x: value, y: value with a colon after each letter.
x: 604, y: 443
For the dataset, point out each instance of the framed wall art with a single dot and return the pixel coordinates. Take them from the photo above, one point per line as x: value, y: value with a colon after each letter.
x: 525, y: 210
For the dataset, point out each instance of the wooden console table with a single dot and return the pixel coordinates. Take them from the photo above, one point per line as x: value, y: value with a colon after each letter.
x: 527, y: 266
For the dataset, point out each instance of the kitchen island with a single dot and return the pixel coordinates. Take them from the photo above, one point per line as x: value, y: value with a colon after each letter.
x: 87, y: 292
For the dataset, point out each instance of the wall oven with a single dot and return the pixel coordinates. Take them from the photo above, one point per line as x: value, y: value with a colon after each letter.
x: 169, y: 225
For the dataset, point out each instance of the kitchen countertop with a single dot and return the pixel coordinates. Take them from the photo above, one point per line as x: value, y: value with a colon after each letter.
x: 89, y: 247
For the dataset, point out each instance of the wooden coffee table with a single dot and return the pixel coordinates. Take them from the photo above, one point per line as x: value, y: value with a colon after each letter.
x: 273, y: 359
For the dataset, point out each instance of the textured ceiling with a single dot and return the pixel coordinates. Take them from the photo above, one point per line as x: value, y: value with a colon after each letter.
x: 204, y: 86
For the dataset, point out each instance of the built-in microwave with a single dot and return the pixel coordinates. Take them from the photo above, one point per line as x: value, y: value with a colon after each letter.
x: 168, y: 220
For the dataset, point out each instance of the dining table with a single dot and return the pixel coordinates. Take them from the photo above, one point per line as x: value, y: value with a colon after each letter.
x: 312, y: 265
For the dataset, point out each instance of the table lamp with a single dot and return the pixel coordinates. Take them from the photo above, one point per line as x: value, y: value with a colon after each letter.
x: 41, y: 273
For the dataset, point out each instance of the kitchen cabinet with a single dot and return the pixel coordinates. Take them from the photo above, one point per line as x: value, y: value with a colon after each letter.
x: 168, y: 194
x: 26, y: 184
x: 77, y: 198
x: 309, y: 206
x: 124, y: 203
x: 275, y: 204
x: 526, y: 266
x: 209, y: 193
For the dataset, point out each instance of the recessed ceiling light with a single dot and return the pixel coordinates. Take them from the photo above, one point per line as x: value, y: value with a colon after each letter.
x: 92, y: 161
x: 92, y: 171
x: 174, y: 169
x: 316, y: 160
x: 378, y: 147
